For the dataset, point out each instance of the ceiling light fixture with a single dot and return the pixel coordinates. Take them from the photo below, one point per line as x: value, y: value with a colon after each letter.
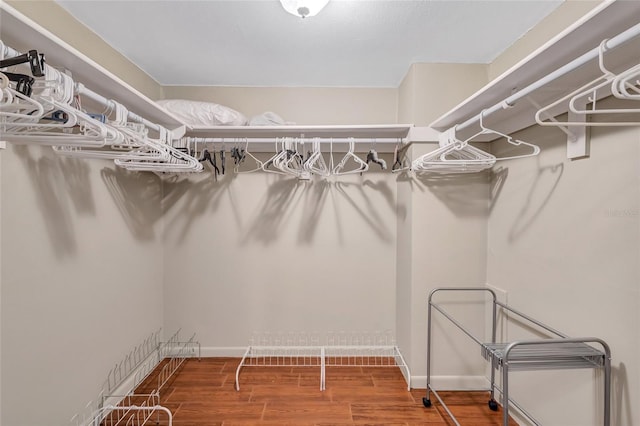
x: 304, y: 8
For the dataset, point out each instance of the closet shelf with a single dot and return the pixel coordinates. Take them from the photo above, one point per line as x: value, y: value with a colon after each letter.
x: 384, y: 137
x: 605, y: 21
x: 312, y: 131
x: 24, y: 34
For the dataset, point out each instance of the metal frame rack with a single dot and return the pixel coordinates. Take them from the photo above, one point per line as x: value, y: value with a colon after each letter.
x: 557, y: 352
x: 334, y: 350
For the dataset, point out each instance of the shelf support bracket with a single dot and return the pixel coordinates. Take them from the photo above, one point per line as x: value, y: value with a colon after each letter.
x: 578, y: 136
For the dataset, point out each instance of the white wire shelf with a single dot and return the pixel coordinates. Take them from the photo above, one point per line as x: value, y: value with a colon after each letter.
x: 361, y: 349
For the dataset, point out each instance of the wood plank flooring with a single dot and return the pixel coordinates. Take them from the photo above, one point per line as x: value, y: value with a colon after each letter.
x: 203, y: 394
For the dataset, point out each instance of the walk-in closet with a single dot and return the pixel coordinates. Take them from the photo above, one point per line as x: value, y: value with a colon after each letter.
x: 319, y: 212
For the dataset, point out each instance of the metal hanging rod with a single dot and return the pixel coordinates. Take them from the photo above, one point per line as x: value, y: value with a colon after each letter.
x: 612, y: 43
x: 81, y: 89
x: 324, y: 139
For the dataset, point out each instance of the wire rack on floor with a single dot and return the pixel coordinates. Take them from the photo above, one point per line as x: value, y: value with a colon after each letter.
x: 136, y: 405
x: 341, y: 349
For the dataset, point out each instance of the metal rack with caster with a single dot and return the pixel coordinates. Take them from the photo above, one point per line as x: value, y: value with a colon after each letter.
x: 557, y: 352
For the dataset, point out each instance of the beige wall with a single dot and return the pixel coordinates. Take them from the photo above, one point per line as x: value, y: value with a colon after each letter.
x: 447, y: 240
x: 406, y: 98
x: 262, y: 253
x: 300, y: 105
x: 564, y: 242
x: 54, y: 18
x: 565, y: 15
x: 430, y: 90
x: 440, y: 223
x: 81, y: 279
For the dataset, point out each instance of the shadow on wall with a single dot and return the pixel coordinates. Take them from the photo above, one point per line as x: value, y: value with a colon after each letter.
x: 621, y: 405
x: 466, y: 195
x: 497, y: 178
x: 59, y: 183
x: 544, y: 185
x: 137, y: 196
x: 285, y: 203
x: 196, y: 198
x: 283, y: 197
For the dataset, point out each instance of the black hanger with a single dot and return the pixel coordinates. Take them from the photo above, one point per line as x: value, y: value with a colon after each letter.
x: 222, y: 160
x: 206, y: 156
x: 24, y: 82
x: 238, y: 155
x: 35, y: 60
x: 372, y: 156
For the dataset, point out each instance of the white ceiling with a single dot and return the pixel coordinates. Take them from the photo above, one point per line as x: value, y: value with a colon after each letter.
x: 365, y: 43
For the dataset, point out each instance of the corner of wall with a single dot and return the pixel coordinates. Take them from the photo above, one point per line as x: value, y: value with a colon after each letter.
x: 406, y: 98
x: 566, y: 14
x: 450, y: 84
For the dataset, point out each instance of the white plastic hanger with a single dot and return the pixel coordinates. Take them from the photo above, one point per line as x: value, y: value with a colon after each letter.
x: 509, y: 139
x: 132, y: 142
x: 588, y: 94
x: 361, y: 166
x: 78, y: 128
x: 626, y: 85
x: 454, y: 156
x: 315, y: 164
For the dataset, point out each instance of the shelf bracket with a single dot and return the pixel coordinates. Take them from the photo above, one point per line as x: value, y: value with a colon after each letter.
x: 578, y: 136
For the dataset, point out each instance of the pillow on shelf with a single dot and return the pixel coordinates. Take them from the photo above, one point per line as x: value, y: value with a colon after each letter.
x: 198, y: 113
x: 268, y: 119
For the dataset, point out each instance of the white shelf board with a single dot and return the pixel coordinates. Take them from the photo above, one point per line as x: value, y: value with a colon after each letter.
x: 605, y: 21
x: 384, y: 138
x: 312, y: 131
x: 23, y: 34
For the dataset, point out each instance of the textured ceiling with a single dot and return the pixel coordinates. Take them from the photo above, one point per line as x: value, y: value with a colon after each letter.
x: 366, y: 43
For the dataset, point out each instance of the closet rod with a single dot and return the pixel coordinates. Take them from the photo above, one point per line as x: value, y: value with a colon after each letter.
x: 9, y: 52
x: 322, y: 139
x: 612, y: 43
x: 81, y: 89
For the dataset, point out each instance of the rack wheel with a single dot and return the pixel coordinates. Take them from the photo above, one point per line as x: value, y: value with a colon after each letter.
x: 426, y: 402
x: 493, y: 405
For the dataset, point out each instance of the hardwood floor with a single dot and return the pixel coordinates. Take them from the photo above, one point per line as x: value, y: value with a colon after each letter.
x: 202, y: 394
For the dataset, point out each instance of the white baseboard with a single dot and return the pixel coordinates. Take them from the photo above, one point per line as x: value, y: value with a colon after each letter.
x: 451, y: 382
x: 223, y: 352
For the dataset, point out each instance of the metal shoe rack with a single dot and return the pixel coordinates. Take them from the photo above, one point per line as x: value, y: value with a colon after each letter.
x: 334, y: 349
x: 557, y: 352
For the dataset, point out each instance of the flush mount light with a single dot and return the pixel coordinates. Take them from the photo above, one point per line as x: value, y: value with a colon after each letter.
x: 304, y: 8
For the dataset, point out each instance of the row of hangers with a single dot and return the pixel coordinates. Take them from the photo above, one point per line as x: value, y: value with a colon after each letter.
x: 623, y: 85
x: 45, y: 108
x: 291, y: 157
x: 459, y: 156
